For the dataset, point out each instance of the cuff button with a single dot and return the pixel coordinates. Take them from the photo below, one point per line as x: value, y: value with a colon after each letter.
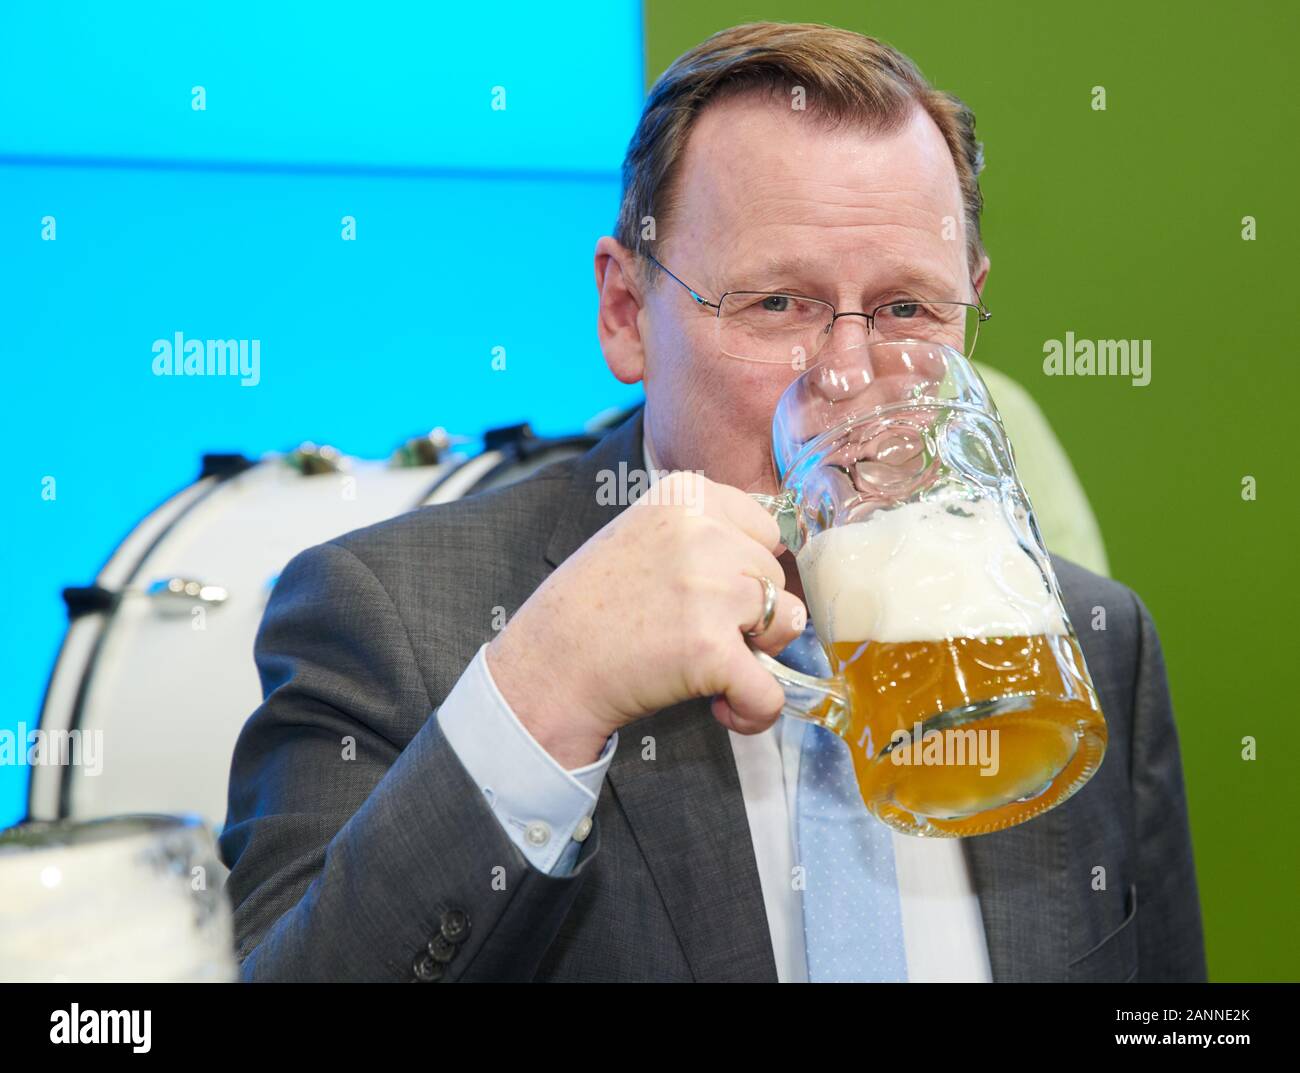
x: 454, y: 925
x: 426, y: 969
x: 441, y: 949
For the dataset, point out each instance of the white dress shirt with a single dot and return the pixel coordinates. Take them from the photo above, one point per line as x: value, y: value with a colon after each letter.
x: 546, y: 811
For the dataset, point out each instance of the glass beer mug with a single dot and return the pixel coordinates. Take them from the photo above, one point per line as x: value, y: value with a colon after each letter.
x: 957, y: 679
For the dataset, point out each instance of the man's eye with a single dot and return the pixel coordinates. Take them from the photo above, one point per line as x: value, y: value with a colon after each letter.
x: 776, y: 303
x: 904, y: 310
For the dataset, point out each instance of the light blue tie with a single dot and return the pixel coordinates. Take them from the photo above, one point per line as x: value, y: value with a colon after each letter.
x: 852, y: 920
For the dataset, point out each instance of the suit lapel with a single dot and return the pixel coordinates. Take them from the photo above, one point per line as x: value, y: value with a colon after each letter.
x: 1030, y: 903
x: 1022, y: 875
x: 1019, y: 875
x: 675, y: 778
x: 674, y: 775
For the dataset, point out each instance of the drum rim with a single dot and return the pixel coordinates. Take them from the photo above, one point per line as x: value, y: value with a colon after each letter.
x: 72, y: 833
x: 198, y: 495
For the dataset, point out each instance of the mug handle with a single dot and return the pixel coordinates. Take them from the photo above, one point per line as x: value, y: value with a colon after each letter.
x: 824, y: 701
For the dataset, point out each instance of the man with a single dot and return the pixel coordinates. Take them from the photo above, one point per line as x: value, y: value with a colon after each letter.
x: 602, y: 789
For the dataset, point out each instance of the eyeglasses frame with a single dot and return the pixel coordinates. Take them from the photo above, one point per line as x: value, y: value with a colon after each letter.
x: 981, y: 309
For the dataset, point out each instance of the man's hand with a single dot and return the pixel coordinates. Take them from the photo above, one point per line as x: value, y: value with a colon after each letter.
x: 647, y: 613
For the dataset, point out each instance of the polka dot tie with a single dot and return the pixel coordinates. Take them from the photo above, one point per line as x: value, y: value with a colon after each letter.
x: 853, y: 923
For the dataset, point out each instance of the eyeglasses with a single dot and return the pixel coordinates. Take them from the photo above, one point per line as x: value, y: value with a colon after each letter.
x: 770, y: 326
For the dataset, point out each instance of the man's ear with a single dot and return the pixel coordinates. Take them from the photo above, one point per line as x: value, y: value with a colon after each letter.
x: 982, y: 275
x: 620, y: 302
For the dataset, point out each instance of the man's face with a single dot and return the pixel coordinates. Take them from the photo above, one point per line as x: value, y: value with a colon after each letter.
x: 769, y: 200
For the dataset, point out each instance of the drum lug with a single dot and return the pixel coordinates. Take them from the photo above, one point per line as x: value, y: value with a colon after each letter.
x: 178, y: 594
x: 88, y: 600
x: 494, y: 439
x: 309, y: 459
x: 424, y: 450
x: 224, y: 465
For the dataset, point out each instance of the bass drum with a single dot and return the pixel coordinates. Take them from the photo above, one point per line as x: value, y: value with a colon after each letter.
x: 156, y: 672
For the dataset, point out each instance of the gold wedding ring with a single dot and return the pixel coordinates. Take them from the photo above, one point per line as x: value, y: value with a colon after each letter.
x: 769, y: 605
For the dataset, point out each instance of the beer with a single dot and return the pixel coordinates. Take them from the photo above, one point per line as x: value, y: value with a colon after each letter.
x: 970, y: 706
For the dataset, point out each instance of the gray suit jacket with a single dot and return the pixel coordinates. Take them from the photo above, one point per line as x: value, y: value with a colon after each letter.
x: 360, y: 849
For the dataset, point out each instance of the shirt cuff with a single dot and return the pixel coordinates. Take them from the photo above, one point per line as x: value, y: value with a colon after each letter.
x: 544, y: 808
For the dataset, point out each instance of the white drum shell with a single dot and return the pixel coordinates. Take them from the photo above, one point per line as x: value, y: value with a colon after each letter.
x: 163, y: 688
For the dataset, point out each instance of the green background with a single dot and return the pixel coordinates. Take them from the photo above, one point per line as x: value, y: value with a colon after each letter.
x: 1127, y: 224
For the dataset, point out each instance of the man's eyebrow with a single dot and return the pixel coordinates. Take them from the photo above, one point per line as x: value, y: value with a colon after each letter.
x: 798, y: 268
x: 790, y: 266
x: 927, y: 284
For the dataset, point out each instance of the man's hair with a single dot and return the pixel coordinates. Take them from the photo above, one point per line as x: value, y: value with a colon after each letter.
x: 845, y: 77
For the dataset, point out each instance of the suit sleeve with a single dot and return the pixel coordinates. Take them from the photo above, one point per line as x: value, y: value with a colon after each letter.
x: 1170, y: 940
x: 351, y: 857
x: 528, y: 790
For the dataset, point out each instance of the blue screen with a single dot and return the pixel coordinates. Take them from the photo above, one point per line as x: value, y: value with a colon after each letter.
x: 473, y: 158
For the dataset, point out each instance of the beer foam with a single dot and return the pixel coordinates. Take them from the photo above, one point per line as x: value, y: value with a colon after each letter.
x: 949, y: 567
x: 117, y: 910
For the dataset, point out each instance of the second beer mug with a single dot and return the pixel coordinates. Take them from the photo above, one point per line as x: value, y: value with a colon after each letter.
x: 958, y: 682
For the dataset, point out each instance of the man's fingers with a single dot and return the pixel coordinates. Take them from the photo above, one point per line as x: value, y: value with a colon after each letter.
x: 788, y: 620
x: 750, y: 517
x: 754, y: 699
